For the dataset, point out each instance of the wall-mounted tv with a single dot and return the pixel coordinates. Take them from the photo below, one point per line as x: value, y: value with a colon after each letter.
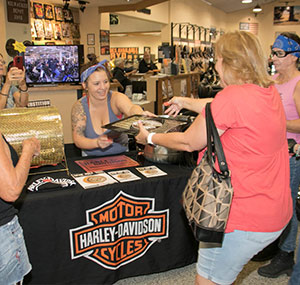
x: 52, y: 64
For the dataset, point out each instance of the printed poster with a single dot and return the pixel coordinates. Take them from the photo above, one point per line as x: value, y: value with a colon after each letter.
x: 106, y: 163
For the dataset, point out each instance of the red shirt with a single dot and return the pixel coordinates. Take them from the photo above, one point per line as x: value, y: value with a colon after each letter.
x: 256, y: 151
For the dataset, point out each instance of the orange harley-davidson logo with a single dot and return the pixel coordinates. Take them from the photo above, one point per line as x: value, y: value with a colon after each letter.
x: 119, y: 231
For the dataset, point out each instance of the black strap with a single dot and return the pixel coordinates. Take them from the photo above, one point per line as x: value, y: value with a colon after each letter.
x: 214, y: 144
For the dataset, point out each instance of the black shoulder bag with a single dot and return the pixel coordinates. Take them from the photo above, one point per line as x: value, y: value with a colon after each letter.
x: 208, y: 194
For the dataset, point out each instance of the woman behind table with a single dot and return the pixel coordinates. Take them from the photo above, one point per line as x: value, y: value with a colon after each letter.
x: 12, y: 95
x: 14, y: 263
x: 250, y: 119
x: 99, y: 107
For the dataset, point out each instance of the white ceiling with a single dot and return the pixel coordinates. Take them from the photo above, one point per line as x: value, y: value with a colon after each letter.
x: 229, y: 6
x: 225, y: 5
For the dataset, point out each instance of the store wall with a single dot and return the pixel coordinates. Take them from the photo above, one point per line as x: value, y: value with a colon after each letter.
x: 90, y: 23
x: 17, y: 31
x: 137, y: 41
x: 197, y: 13
x: 266, y: 29
x: 159, y: 13
x: 2, y: 27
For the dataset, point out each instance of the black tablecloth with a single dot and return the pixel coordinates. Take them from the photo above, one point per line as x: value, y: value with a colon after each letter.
x: 62, y: 229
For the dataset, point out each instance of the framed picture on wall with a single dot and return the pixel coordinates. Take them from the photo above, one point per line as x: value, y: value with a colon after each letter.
x: 75, y: 31
x: 68, y: 16
x: 91, y: 50
x: 39, y: 28
x: 48, y: 30
x: 66, y: 30
x: 48, y: 11
x: 104, y: 42
x: 91, y: 39
x: 38, y: 10
x: 59, y: 16
x: 57, y: 31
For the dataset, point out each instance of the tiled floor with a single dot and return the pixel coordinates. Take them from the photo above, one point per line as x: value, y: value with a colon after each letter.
x: 186, y: 276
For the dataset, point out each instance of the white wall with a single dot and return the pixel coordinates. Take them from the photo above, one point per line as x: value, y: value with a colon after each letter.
x: 159, y: 13
x: 198, y: 13
x: 266, y: 29
x: 90, y: 24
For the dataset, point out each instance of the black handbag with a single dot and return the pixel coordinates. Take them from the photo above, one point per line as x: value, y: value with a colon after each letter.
x: 208, y: 193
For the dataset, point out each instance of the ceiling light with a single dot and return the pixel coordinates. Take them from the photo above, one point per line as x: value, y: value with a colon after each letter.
x: 257, y: 9
x: 246, y: 1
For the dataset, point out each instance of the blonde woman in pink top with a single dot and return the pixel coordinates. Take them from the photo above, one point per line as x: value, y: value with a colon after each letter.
x: 250, y: 119
x: 285, y: 55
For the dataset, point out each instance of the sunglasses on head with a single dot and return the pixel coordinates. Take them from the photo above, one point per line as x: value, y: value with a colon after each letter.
x: 282, y: 53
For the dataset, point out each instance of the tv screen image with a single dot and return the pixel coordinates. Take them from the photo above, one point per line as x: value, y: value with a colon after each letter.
x: 52, y: 64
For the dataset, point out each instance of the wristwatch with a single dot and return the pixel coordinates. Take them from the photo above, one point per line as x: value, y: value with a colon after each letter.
x: 149, y: 139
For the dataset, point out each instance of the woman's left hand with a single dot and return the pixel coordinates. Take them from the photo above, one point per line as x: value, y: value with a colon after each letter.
x: 142, y: 136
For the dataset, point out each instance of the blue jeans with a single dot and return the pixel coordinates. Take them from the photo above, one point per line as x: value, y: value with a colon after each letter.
x: 223, y: 264
x: 14, y: 262
x: 295, y: 181
x: 288, y: 240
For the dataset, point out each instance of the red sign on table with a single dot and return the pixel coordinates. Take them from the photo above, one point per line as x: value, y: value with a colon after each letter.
x: 106, y: 163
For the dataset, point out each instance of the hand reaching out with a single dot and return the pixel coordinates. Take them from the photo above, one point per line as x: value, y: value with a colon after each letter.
x: 174, y: 106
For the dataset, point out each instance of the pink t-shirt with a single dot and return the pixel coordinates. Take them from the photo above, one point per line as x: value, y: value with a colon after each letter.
x: 286, y: 92
x: 256, y: 151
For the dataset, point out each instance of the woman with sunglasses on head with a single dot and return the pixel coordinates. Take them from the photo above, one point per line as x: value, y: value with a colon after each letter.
x: 285, y: 55
x: 14, y: 91
x: 99, y: 107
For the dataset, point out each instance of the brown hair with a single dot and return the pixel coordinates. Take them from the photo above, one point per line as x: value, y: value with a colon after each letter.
x: 243, y: 59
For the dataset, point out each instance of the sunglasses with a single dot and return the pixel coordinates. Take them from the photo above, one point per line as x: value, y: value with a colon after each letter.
x: 282, y: 53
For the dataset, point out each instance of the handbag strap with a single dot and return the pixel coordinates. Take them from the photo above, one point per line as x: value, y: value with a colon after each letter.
x: 214, y: 142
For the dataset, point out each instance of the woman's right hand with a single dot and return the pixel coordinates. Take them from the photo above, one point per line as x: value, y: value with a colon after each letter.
x: 32, y: 145
x: 15, y: 74
x: 104, y: 141
x: 174, y: 106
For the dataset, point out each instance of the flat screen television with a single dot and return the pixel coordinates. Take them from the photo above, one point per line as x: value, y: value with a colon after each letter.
x: 52, y: 64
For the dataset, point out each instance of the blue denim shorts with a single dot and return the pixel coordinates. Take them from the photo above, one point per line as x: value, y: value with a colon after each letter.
x: 223, y: 264
x: 14, y: 261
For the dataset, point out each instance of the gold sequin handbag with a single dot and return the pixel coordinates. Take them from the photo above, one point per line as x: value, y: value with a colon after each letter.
x: 208, y: 193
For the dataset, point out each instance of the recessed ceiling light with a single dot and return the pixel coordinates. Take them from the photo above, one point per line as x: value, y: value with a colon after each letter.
x: 246, y: 1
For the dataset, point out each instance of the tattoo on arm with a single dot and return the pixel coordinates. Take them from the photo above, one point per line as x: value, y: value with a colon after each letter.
x: 78, y: 119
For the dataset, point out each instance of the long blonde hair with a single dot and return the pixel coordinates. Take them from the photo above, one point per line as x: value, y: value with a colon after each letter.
x: 243, y: 59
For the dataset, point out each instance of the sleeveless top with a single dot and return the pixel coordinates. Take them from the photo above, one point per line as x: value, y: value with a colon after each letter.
x: 7, y: 210
x: 120, y: 143
x: 10, y: 103
x: 286, y: 91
